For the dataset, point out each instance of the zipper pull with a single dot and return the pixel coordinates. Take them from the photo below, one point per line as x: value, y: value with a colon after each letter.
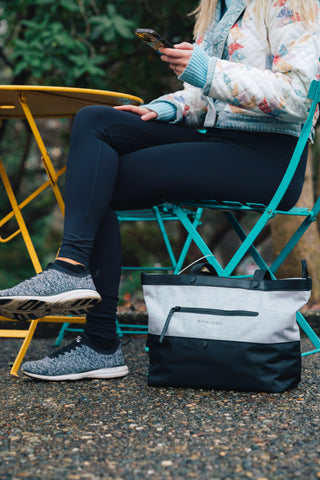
x: 166, y: 325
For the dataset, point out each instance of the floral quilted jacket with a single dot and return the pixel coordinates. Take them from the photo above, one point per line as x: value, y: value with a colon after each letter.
x: 258, y: 71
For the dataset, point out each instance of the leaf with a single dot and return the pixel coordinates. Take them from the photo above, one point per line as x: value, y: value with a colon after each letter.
x: 78, y: 59
x: 31, y: 24
x: 98, y: 59
x: 93, y: 70
x: 124, y: 27
x: 111, y: 10
x: 102, y: 20
x: 47, y: 64
x: 35, y: 62
x: 109, y: 35
x: 70, y: 5
x: 37, y: 72
x: 65, y: 40
x: 78, y: 72
x: 44, y: 2
x: 20, y: 66
x: 102, y: 24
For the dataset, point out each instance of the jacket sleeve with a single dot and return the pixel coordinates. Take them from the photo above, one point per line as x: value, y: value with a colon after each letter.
x: 190, y: 105
x: 280, y: 92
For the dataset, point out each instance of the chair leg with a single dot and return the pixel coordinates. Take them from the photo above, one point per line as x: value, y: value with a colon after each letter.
x: 242, y: 236
x: 165, y: 236
x: 296, y: 236
x: 62, y: 331
x: 28, y: 335
x: 19, y: 218
x: 291, y: 243
x: 196, y: 237
x: 311, y: 334
x: 247, y: 243
x: 196, y: 222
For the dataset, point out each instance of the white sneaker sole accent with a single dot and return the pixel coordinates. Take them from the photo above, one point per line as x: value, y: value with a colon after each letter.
x: 113, y: 372
x: 74, y: 302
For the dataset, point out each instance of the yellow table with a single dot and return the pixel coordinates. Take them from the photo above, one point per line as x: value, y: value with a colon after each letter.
x: 30, y: 102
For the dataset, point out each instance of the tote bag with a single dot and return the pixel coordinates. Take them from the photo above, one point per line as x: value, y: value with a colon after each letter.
x: 206, y: 331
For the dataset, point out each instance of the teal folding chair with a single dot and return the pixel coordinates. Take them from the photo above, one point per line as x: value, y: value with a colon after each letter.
x: 160, y: 214
x: 266, y: 212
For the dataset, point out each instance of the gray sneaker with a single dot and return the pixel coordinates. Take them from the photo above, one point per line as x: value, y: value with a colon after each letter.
x: 78, y: 360
x: 52, y: 291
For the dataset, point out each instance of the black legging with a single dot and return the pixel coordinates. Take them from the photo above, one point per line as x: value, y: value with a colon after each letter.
x: 119, y: 162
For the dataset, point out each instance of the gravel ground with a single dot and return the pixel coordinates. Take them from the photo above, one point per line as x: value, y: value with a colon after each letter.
x: 122, y: 429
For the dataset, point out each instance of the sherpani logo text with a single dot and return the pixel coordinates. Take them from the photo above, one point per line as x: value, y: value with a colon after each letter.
x: 211, y: 322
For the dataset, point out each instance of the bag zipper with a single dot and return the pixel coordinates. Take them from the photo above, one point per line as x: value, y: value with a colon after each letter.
x: 205, y: 311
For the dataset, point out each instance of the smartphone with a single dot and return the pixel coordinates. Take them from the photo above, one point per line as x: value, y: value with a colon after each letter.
x: 152, y: 38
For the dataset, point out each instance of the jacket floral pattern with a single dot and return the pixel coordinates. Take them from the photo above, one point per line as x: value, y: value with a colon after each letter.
x: 259, y: 70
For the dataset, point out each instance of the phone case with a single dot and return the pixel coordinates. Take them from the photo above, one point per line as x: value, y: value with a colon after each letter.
x: 153, y: 39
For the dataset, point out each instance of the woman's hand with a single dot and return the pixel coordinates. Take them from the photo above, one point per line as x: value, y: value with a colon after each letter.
x: 177, y: 57
x: 145, y: 113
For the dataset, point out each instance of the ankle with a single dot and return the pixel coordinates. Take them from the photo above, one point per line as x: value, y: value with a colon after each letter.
x: 69, y: 260
x: 69, y: 267
x: 108, y: 345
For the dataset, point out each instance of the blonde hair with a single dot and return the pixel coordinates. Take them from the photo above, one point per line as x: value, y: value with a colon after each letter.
x: 305, y: 9
x: 203, y: 14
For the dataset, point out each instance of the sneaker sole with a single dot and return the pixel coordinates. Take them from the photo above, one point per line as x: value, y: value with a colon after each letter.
x: 76, y: 302
x: 114, y: 372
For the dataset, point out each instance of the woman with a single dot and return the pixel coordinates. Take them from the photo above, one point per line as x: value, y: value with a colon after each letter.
x: 246, y: 82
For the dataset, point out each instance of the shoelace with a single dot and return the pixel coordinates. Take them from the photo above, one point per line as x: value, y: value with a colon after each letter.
x: 68, y: 348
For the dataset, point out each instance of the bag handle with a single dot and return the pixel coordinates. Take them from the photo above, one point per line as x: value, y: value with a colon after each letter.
x: 264, y: 274
x: 193, y: 263
x: 260, y: 275
x: 305, y: 273
x: 198, y: 269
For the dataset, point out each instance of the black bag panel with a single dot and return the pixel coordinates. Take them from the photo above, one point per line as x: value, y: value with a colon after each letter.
x: 216, y: 364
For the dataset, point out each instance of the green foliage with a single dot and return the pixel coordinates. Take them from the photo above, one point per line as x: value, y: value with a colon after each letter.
x: 60, y: 41
x: 87, y: 43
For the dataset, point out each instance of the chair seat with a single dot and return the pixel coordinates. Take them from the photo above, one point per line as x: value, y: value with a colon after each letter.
x: 149, y: 214
x: 231, y: 206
